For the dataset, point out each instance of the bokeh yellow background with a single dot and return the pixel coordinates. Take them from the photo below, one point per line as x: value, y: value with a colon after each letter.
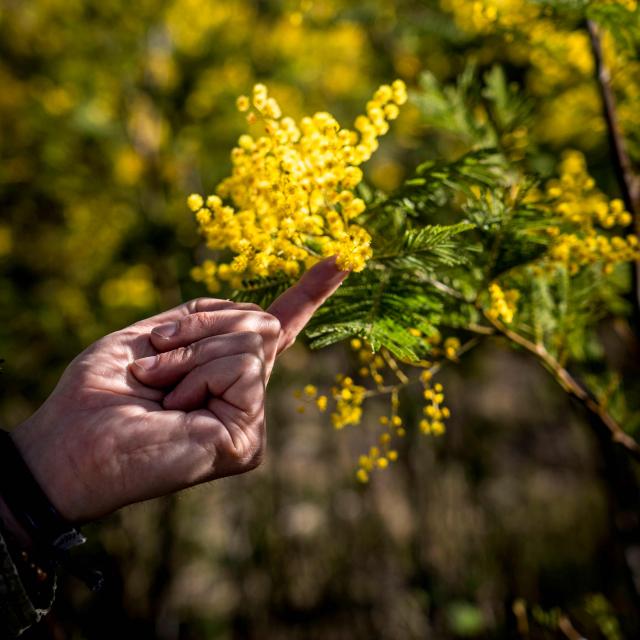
x: 111, y: 113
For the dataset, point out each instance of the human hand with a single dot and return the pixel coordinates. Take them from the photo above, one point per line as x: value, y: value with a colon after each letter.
x: 110, y: 434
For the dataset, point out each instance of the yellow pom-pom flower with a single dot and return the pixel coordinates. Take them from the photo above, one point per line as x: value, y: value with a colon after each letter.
x: 195, y: 202
x: 289, y: 200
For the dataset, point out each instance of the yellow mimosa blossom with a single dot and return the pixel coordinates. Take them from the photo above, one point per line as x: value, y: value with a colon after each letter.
x: 349, y: 398
x: 502, y: 303
x: 451, y: 346
x: 434, y: 411
x: 290, y: 199
x: 584, y: 211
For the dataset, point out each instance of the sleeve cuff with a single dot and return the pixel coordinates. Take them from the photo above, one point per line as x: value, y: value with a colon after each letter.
x: 18, y: 611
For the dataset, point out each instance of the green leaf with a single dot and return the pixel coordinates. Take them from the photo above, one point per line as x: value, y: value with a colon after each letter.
x: 262, y: 291
x: 380, y: 306
x: 423, y: 249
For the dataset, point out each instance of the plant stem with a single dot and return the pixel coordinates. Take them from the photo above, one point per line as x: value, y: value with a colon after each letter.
x: 435, y: 368
x: 572, y: 387
x: 393, y: 365
x: 628, y: 182
x: 569, y: 631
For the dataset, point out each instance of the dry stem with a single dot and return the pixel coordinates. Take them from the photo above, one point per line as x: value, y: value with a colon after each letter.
x: 572, y: 387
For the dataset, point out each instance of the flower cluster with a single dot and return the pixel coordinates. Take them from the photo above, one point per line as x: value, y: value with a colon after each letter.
x: 561, y: 62
x: 451, y: 347
x: 310, y: 392
x: 371, y: 364
x: 386, y: 377
x: 348, y: 399
x: 577, y: 199
x: 376, y: 458
x: 379, y: 456
x: 502, y: 303
x: 290, y: 199
x: 629, y: 5
x: 482, y: 16
x: 583, y: 210
x: 434, y: 410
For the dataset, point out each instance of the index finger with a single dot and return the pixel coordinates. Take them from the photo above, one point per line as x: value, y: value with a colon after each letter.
x: 297, y: 304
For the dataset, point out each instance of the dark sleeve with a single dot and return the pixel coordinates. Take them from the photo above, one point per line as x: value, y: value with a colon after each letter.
x: 18, y: 608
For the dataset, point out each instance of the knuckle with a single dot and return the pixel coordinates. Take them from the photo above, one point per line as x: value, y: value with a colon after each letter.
x: 197, y: 304
x: 271, y: 323
x: 176, y: 357
x: 250, y: 306
x: 193, y: 305
x: 245, y: 443
x: 202, y: 320
x: 187, y: 353
x: 252, y: 341
x: 251, y: 363
x: 254, y: 461
x: 252, y: 454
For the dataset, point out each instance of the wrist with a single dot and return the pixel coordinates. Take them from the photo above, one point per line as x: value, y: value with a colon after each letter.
x: 40, y: 454
x: 38, y: 536
x: 27, y: 506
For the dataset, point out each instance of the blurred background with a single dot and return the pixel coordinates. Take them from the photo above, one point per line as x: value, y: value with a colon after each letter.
x: 111, y: 113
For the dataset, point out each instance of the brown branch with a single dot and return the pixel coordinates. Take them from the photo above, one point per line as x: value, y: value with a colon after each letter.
x: 564, y: 624
x: 519, y: 609
x: 628, y: 182
x: 393, y: 365
x: 572, y: 387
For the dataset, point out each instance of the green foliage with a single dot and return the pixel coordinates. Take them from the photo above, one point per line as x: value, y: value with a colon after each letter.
x: 380, y: 306
x: 510, y: 107
x: 438, y: 183
x: 479, y: 114
x: 509, y: 228
x: 448, y: 107
x: 262, y: 291
x: 623, y: 24
x: 422, y: 251
x: 466, y: 619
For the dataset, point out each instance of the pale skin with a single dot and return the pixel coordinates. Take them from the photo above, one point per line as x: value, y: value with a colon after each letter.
x: 167, y: 403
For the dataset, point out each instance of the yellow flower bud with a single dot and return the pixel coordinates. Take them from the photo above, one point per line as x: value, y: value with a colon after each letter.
x: 195, y: 202
x: 242, y: 103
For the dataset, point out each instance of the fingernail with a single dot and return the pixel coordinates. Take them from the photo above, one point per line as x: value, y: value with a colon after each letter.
x: 146, y: 363
x: 166, y: 330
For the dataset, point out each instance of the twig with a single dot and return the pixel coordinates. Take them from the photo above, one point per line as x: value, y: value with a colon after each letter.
x: 628, y: 182
x: 564, y: 624
x: 481, y: 329
x: 572, y: 387
x: 441, y: 286
x: 393, y: 365
x: 519, y: 609
x: 435, y: 368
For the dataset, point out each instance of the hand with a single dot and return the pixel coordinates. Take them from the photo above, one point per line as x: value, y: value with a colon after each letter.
x: 110, y: 435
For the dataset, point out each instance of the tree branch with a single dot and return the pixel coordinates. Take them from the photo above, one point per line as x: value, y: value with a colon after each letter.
x: 628, y: 182
x: 573, y: 388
